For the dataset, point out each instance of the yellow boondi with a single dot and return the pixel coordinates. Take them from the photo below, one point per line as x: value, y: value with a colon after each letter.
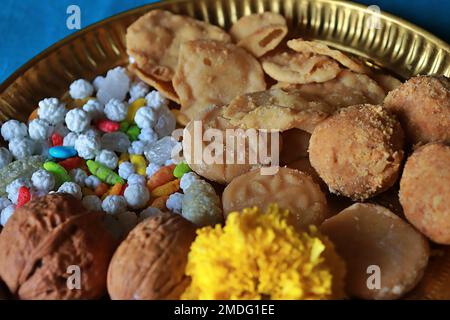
x: 260, y: 256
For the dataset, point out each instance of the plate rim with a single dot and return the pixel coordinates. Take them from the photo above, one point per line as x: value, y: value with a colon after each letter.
x: 349, y: 4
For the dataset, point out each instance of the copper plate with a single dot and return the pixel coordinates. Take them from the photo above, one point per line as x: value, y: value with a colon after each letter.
x: 398, y: 46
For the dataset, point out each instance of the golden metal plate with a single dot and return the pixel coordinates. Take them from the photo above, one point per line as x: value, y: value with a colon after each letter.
x: 398, y: 46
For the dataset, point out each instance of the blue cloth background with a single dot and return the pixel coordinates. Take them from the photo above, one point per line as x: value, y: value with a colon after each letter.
x: 29, y: 26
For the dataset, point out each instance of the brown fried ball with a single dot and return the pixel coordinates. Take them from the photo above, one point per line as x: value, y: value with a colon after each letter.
x: 358, y: 151
x: 422, y: 105
x: 425, y: 191
x: 374, y: 242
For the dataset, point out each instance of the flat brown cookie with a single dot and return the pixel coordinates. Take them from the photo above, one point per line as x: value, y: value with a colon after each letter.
x: 153, y: 40
x: 289, y: 188
x: 259, y: 33
x: 277, y: 108
x: 304, y: 46
x: 372, y: 239
x: 213, y: 73
x: 294, y: 67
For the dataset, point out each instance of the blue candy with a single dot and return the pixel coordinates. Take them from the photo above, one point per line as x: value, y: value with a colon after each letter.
x: 61, y: 152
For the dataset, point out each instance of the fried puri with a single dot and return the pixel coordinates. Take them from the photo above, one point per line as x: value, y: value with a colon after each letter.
x: 213, y: 73
x: 291, y: 189
x: 358, y: 151
x: 259, y: 33
x: 425, y: 191
x: 422, y: 105
x: 375, y: 243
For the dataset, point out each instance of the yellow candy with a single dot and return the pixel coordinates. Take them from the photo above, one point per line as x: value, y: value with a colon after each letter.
x: 133, y: 108
x: 166, y: 189
x: 79, y: 103
x: 124, y: 157
x: 140, y: 165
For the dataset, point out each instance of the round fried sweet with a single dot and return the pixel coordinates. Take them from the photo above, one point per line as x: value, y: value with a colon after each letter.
x: 374, y: 242
x: 259, y: 33
x: 422, y: 105
x: 291, y: 189
x: 213, y: 73
x: 425, y: 191
x: 154, y: 40
x: 358, y: 151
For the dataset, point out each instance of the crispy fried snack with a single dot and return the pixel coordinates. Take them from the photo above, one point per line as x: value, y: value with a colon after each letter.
x: 347, y: 89
x: 423, y: 106
x: 155, y: 38
x: 277, y: 108
x: 304, y: 46
x: 295, y: 67
x: 259, y: 33
x: 213, y: 73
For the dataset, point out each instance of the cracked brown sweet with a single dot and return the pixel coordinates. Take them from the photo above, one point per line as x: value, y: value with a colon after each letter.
x: 369, y: 236
x: 259, y: 33
x: 219, y: 171
x: 294, y: 67
x: 304, y: 46
x: 149, y: 264
x: 347, y: 89
x: 291, y: 189
x: 422, y: 105
x: 154, y: 40
x: 425, y: 191
x: 213, y: 73
x: 358, y: 151
x: 46, y: 236
x: 278, y: 108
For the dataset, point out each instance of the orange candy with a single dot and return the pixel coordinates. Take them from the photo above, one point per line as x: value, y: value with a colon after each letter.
x: 161, y: 177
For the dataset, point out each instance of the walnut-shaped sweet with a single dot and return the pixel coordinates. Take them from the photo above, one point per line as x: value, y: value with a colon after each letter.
x: 150, y: 263
x: 53, y: 248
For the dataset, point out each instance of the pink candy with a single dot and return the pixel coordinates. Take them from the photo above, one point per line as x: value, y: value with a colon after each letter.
x: 106, y: 125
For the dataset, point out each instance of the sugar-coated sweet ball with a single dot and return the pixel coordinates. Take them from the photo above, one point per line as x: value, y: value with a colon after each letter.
x: 114, y: 204
x: 145, y: 118
x: 87, y: 146
x: 358, y: 151
x: 77, y: 120
x: 126, y: 169
x: 148, y: 135
x: 80, y: 89
x: 422, y: 105
x: 13, y: 129
x: 107, y: 158
x: 79, y: 176
x: 151, y: 169
x: 94, y: 108
x: 12, y: 189
x: 5, y: 157
x: 69, y: 139
x: 92, y: 203
x: 21, y: 148
x: 92, y: 182
x: 135, y: 178
x: 116, y: 110
x: 52, y: 111
x: 136, y: 195
x: 43, y: 180
x: 425, y: 191
x: 39, y: 129
x: 138, y: 90
x: 175, y: 202
x: 71, y: 188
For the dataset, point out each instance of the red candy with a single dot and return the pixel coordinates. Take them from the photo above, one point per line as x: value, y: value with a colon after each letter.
x: 123, y: 189
x: 71, y: 163
x: 57, y: 140
x: 106, y: 125
x: 23, y: 197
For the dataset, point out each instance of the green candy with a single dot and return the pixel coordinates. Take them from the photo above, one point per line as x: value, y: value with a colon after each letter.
x: 124, y: 126
x: 59, y: 172
x: 133, y: 132
x: 180, y: 170
x: 104, y: 173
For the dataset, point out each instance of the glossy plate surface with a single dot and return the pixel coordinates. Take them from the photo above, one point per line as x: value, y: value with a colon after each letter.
x: 396, y: 45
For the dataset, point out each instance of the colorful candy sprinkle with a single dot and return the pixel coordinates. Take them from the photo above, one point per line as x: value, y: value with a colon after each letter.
x: 71, y: 163
x: 134, y: 107
x: 181, y: 169
x: 107, y: 125
x: 133, y: 132
x: 23, y: 197
x: 104, y: 173
x: 166, y: 189
x: 58, y: 171
x: 62, y: 152
x: 140, y: 165
x: 57, y: 139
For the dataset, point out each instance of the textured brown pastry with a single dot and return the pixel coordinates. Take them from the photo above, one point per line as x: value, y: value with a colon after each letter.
x: 154, y: 40
x: 213, y: 73
x: 422, y: 105
x: 220, y: 171
x: 259, y: 33
x: 150, y: 263
x: 358, y: 151
x: 289, y: 188
x: 425, y: 191
x: 277, y: 108
x: 369, y: 236
x: 347, y: 89
x: 46, y: 236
